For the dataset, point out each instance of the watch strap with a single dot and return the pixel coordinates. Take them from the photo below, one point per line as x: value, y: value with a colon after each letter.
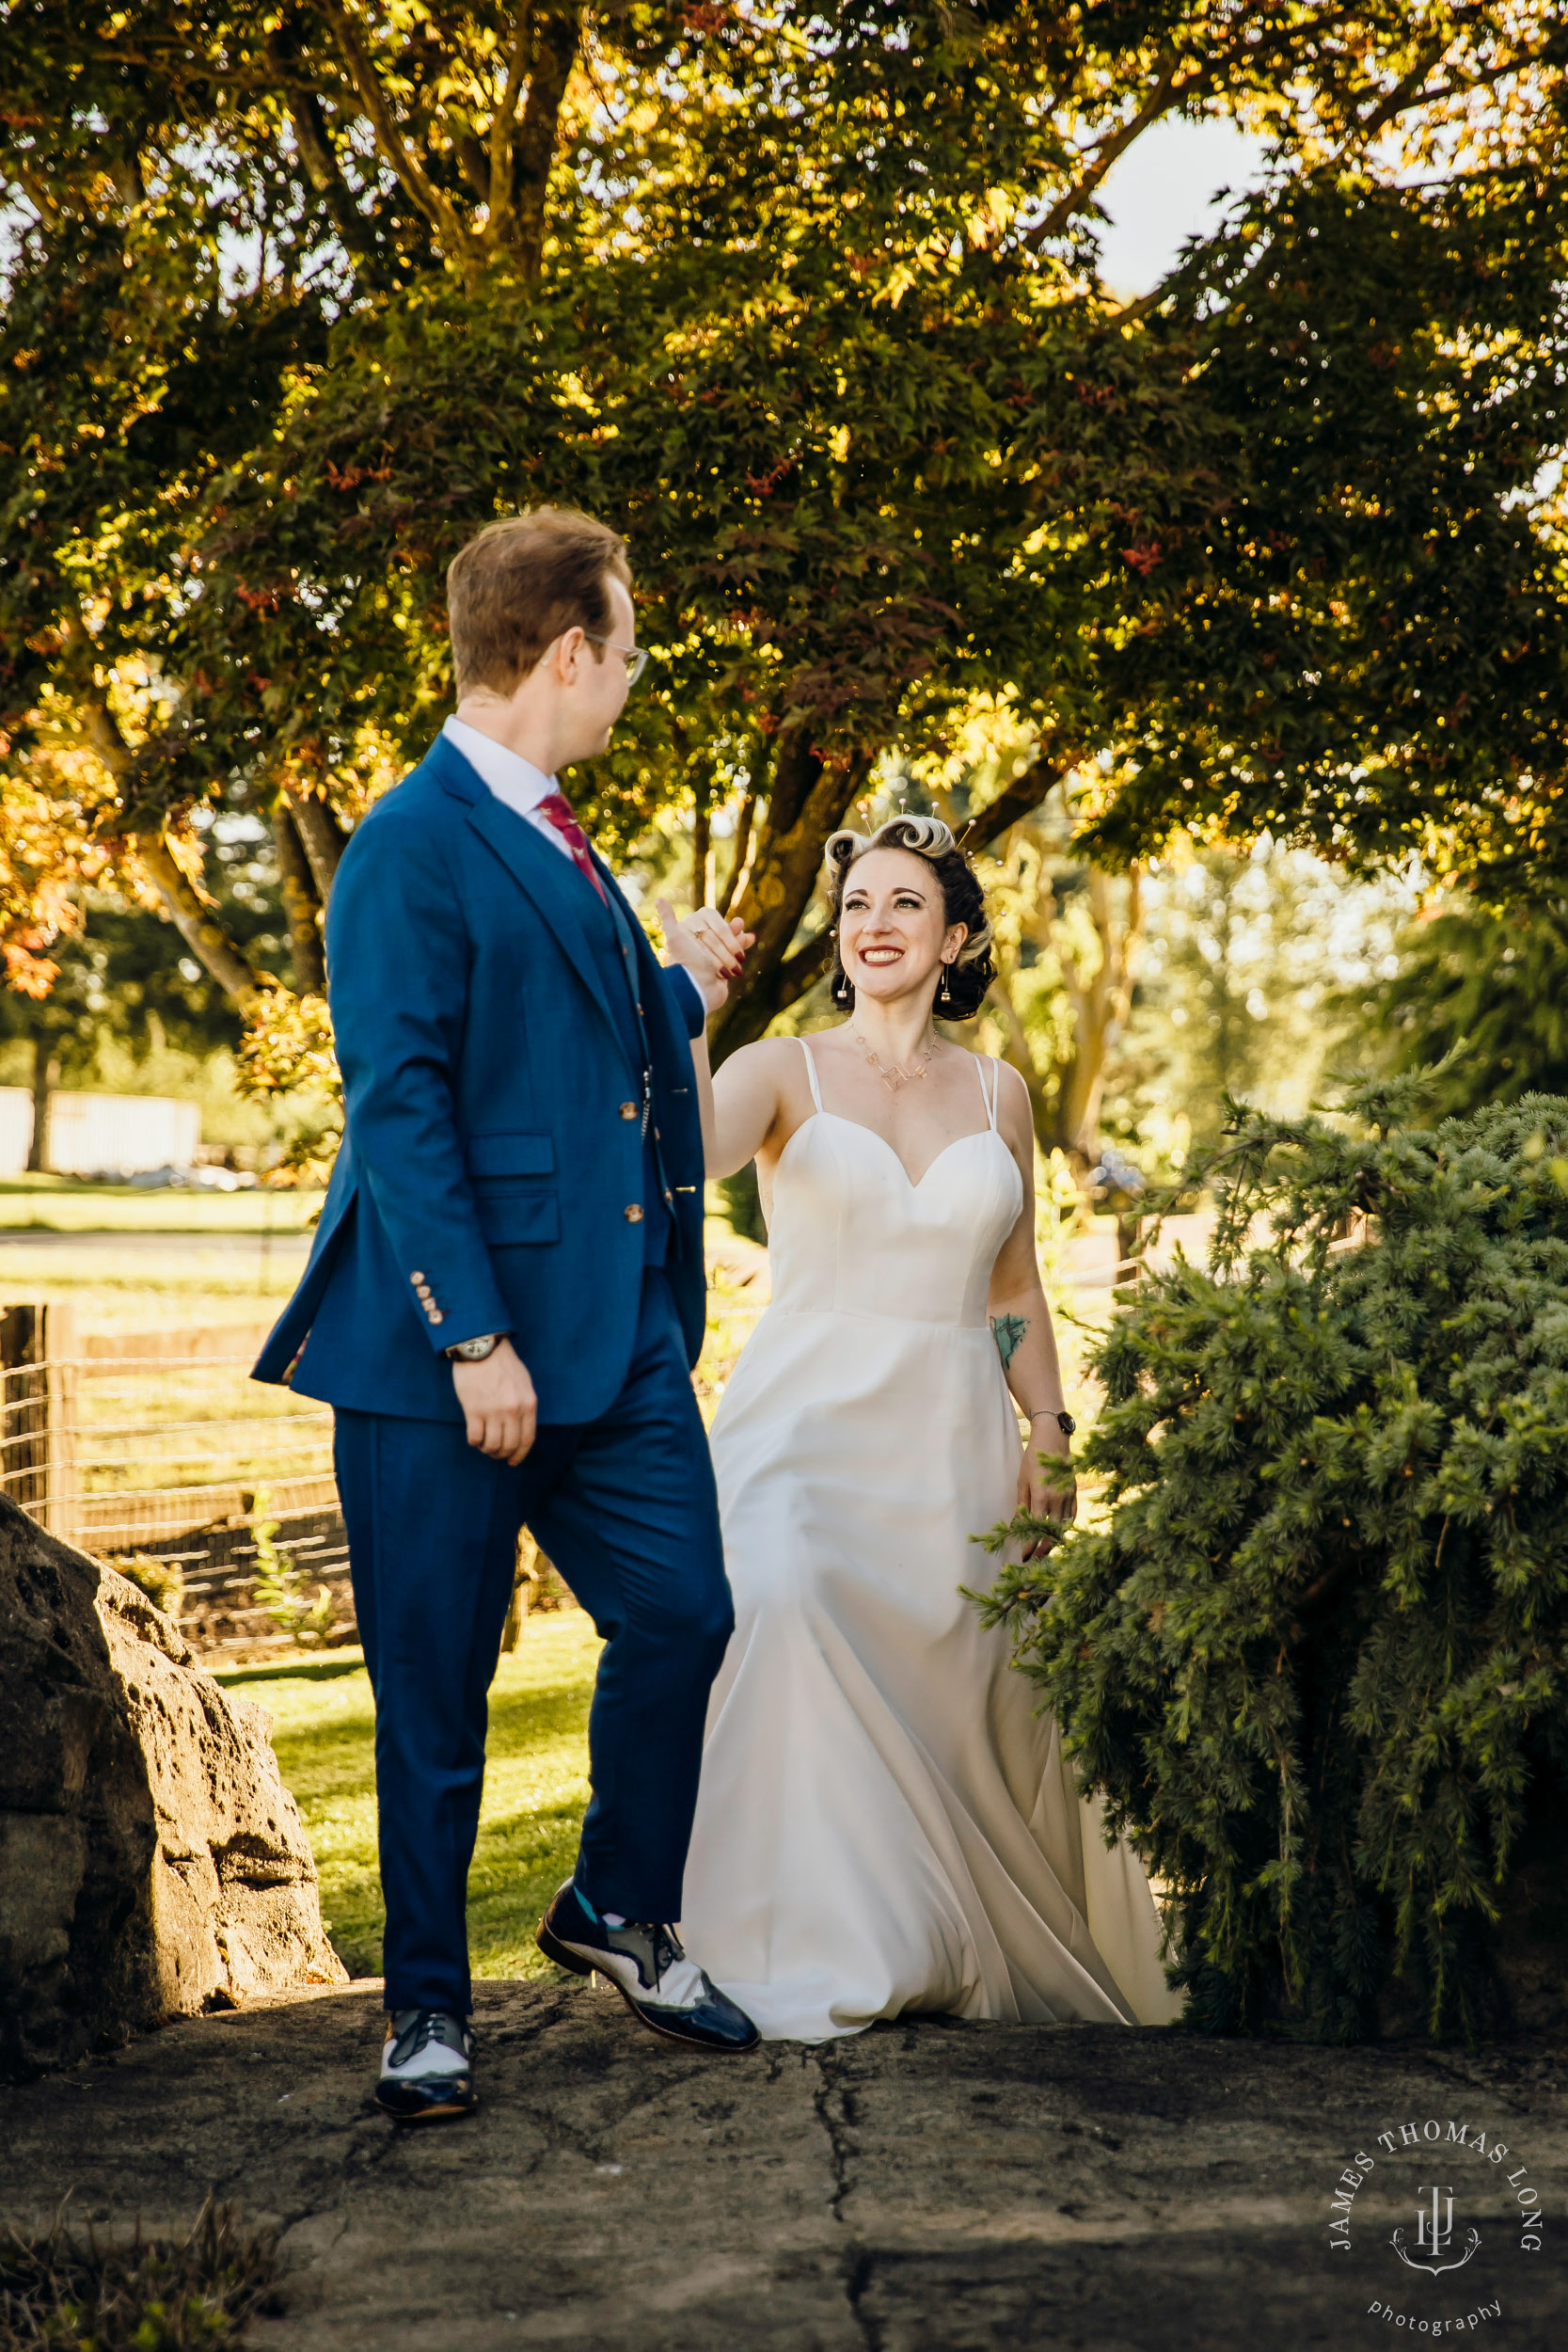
x: 474, y: 1351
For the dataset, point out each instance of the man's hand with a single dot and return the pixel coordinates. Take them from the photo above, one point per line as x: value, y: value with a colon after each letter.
x: 498, y: 1404
x: 712, y: 948
x: 1039, y: 1491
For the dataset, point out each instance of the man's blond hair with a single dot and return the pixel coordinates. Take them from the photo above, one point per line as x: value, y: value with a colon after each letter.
x: 521, y: 584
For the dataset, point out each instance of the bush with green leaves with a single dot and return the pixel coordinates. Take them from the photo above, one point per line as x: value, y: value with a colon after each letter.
x: 1313, y: 1646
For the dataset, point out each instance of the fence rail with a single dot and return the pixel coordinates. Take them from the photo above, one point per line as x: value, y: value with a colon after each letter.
x: 163, y: 1455
x: 156, y: 1448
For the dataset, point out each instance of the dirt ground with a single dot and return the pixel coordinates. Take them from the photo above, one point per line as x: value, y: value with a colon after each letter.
x: 929, y: 2186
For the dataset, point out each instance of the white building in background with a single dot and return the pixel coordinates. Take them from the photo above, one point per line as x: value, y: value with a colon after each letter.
x: 16, y: 1129
x: 90, y: 1135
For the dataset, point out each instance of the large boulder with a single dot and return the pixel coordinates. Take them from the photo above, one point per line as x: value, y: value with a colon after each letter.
x: 151, y: 1862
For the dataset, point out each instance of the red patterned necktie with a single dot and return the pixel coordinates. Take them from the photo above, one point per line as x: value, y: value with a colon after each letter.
x: 558, y: 808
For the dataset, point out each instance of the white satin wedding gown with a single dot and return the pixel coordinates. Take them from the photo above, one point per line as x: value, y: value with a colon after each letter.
x: 884, y: 1823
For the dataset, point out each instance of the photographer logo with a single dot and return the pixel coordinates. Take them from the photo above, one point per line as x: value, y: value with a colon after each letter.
x: 1434, y: 2236
x: 1433, y: 2220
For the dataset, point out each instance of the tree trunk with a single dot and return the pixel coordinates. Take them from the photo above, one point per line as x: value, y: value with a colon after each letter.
x: 46, y: 1077
x: 702, y: 852
x: 191, y: 914
x: 809, y: 798
x: 300, y: 904
x: 734, y: 880
x: 1100, y: 1003
x: 323, y: 838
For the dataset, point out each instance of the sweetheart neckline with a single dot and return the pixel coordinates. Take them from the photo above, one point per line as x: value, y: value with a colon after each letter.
x: 860, y: 1126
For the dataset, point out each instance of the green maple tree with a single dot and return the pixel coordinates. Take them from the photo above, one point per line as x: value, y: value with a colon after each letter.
x: 808, y: 304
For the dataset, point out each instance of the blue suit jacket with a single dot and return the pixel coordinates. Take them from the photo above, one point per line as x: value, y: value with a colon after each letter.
x: 487, y: 1071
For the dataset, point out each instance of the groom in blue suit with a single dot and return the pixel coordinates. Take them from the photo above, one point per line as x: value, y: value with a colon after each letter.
x: 506, y: 1297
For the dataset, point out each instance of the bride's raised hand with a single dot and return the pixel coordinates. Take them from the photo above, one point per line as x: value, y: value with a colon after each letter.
x: 1045, y: 1490
x: 711, y: 947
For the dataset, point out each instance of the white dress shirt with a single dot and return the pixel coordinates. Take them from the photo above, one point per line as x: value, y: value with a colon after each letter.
x: 510, y: 776
x: 521, y: 786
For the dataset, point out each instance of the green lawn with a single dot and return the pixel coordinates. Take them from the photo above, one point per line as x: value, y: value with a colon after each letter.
x: 535, y: 1788
x: 58, y: 1205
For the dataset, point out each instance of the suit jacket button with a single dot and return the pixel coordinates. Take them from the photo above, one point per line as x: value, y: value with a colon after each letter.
x: 668, y: 1195
x: 628, y: 1110
x: 436, y: 1316
x: 416, y: 1277
x: 634, y: 1213
x: 640, y: 1007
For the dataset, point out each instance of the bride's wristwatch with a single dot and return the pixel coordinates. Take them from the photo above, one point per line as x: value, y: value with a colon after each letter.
x: 474, y: 1351
x: 1063, y: 1421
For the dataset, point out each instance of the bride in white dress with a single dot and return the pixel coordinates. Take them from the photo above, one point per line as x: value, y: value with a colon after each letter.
x: 884, y: 1823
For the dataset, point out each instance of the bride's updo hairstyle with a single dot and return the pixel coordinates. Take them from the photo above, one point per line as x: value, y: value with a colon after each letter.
x: 962, y: 900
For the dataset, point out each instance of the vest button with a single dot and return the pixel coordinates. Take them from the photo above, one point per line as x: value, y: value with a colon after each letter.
x: 634, y: 1213
x: 628, y: 1110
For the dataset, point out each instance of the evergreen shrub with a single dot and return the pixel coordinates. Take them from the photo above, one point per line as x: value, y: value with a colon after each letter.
x: 1314, y: 1647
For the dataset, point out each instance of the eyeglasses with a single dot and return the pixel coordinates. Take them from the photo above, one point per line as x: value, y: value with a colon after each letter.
x: 635, y: 657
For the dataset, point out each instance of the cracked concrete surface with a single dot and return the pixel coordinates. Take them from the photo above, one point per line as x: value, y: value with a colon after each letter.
x: 929, y: 2186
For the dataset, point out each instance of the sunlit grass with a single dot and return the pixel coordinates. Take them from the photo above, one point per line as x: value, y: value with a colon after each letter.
x: 56, y: 1204
x: 535, y: 1789
x: 152, y: 1286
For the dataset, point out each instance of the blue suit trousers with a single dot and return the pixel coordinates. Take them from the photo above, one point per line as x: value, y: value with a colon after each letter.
x: 625, y: 1507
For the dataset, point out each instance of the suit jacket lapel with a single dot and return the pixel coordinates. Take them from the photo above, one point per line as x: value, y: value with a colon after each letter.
x: 551, y: 884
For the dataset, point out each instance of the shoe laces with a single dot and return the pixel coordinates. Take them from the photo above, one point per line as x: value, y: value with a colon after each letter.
x: 651, y: 1943
x: 422, y: 2027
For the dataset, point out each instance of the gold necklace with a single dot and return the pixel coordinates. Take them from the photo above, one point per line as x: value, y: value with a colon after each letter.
x: 893, y: 1074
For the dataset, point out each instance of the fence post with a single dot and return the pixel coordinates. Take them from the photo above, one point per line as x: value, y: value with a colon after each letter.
x: 38, y: 1348
x: 60, y: 1360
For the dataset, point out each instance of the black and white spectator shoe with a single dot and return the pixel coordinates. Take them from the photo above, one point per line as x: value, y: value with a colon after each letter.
x: 665, y: 1991
x: 426, y: 2067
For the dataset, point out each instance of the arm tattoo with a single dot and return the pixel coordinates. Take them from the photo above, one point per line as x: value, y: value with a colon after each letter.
x: 1009, y: 1332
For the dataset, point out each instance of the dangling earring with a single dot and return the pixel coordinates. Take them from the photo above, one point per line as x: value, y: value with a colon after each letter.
x: 944, y: 993
x: 843, y: 990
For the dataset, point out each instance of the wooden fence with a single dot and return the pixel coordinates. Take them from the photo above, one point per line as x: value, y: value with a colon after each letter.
x: 155, y: 1449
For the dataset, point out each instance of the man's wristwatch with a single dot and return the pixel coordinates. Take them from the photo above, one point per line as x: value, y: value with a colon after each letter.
x: 474, y: 1351
x: 1063, y: 1421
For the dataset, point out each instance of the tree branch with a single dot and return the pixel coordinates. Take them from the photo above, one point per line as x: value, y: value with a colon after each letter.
x: 1021, y: 798
x: 1167, y: 90
x: 742, y: 844
x: 300, y: 904
x: 189, y: 908
x: 315, y: 145
x: 554, y: 55
x: 503, y: 123
x: 415, y: 180
x: 798, y: 971
x: 324, y: 838
x: 206, y: 939
x: 1016, y: 1052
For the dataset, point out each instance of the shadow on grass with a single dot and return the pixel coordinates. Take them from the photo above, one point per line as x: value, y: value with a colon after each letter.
x: 342, y: 1662
x: 536, y: 1786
